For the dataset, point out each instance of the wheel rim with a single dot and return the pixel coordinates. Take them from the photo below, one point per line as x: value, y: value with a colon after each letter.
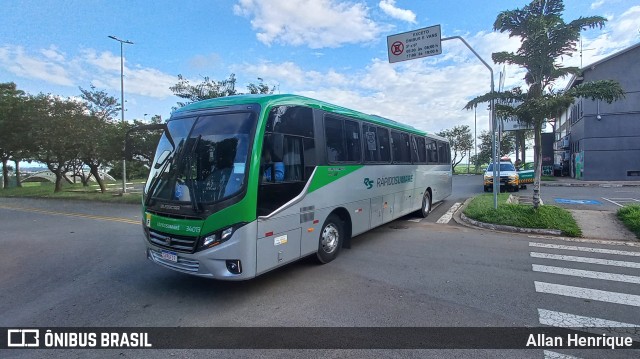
x: 330, y: 238
x: 426, y: 204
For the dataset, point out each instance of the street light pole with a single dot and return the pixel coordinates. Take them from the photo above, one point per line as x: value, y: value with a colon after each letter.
x: 124, y: 160
x: 496, y: 184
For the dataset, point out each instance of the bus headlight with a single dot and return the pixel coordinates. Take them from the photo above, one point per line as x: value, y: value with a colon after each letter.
x: 226, y: 234
x: 209, y: 239
x: 218, y: 237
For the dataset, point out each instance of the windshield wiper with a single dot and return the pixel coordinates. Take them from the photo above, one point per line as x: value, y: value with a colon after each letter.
x: 194, y: 190
x: 156, y: 180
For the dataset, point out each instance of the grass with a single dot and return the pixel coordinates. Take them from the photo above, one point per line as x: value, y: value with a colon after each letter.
x: 523, y: 216
x: 461, y: 169
x: 69, y: 191
x: 630, y: 216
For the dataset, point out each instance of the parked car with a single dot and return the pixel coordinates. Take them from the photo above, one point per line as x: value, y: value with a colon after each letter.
x: 509, y: 178
x: 526, y: 174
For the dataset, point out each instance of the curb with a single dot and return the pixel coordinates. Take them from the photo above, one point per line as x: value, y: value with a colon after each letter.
x: 603, y: 185
x: 466, y: 221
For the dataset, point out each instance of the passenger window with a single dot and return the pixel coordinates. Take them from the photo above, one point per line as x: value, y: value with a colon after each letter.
x: 442, y: 152
x: 384, y: 144
x: 432, y: 152
x: 334, y: 137
x: 418, y: 150
x: 352, y: 140
x: 371, y: 153
x: 400, y: 144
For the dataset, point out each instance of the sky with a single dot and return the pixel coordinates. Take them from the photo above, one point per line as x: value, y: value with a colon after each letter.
x: 331, y: 50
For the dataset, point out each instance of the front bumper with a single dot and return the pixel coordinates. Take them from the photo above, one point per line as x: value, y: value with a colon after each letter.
x: 212, y: 262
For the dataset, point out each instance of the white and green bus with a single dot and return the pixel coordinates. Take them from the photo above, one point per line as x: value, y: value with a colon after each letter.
x: 244, y: 184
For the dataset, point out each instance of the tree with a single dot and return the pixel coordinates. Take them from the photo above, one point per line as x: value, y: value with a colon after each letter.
x: 260, y: 88
x: 95, y: 132
x: 14, y: 126
x: 545, y: 39
x: 208, y: 89
x: 54, y: 133
x: 484, y: 148
x: 461, y: 142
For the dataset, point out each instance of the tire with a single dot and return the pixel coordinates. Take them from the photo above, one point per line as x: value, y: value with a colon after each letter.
x: 486, y: 189
x: 330, y: 239
x: 516, y: 188
x: 426, y: 205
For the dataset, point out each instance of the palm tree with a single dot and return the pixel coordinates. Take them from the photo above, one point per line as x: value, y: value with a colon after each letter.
x: 545, y: 40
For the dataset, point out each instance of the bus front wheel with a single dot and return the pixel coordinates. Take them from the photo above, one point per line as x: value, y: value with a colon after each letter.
x: 330, y: 241
x: 426, y: 204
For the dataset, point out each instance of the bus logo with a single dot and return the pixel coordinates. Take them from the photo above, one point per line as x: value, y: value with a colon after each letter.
x: 368, y: 183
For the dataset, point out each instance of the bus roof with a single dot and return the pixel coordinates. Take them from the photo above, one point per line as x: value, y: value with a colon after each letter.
x: 273, y: 100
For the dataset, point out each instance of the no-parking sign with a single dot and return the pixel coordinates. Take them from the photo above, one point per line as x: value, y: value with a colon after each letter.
x: 414, y: 44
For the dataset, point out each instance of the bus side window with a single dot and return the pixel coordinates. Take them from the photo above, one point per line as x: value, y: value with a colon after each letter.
x: 432, y: 152
x: 384, y: 145
x: 418, y: 150
x: 334, y: 134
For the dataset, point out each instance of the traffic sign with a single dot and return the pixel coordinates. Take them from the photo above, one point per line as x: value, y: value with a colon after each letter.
x: 414, y: 44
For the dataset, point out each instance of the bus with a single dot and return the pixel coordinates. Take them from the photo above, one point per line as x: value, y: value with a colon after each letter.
x: 244, y: 184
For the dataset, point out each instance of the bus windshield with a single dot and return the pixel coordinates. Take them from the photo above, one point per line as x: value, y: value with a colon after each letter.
x: 208, y: 163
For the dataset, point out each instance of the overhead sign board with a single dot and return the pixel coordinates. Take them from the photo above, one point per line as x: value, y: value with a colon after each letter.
x: 414, y: 44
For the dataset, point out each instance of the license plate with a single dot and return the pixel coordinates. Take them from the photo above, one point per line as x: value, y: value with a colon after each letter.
x: 170, y: 256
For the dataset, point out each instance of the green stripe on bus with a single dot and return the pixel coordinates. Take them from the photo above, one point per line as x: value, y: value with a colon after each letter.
x: 327, y: 174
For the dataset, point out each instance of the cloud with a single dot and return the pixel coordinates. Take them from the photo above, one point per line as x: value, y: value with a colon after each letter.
x: 597, y: 4
x: 389, y: 8
x: 49, y: 68
x: 313, y: 23
x: 101, y: 69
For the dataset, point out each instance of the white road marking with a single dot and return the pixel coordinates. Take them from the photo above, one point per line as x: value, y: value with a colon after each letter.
x: 587, y: 293
x: 606, y: 262
x: 566, y: 320
x: 447, y: 216
x: 586, y: 240
x: 418, y: 220
x: 587, y: 274
x: 584, y: 249
x: 548, y: 354
x: 617, y: 201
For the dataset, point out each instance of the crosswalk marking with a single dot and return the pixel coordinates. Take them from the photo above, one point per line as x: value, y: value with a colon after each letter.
x: 587, y: 274
x: 566, y: 320
x: 447, y: 216
x: 607, y: 262
x: 548, y: 354
x: 587, y: 293
x: 584, y: 249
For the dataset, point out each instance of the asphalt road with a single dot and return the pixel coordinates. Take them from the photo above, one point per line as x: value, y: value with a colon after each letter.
x: 83, y: 264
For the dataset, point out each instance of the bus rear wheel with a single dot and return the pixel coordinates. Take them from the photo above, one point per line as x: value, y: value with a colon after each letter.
x: 330, y: 241
x: 426, y: 204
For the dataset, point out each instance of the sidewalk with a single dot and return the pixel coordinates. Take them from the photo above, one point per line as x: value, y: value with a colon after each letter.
x: 572, y: 182
x: 593, y: 224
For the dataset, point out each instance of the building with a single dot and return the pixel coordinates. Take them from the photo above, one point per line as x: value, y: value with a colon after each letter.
x: 600, y: 141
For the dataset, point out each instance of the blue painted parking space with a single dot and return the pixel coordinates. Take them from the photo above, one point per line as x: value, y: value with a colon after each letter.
x: 577, y: 201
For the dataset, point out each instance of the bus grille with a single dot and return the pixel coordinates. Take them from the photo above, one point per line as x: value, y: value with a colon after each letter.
x: 183, y: 264
x: 179, y: 243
